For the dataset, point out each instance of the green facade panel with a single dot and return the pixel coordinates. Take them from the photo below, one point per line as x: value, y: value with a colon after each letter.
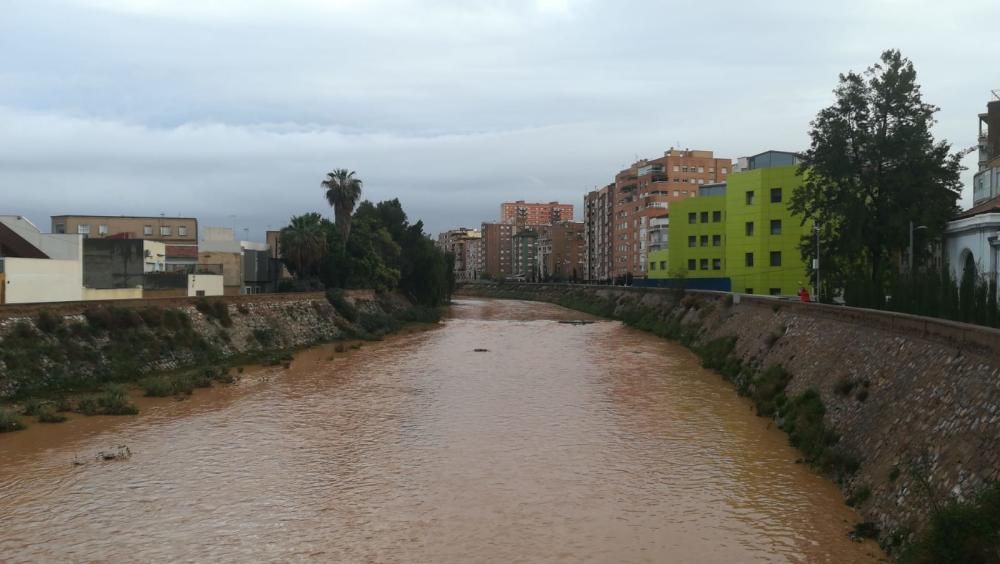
x: 762, y: 235
x: 697, y: 238
x: 659, y: 264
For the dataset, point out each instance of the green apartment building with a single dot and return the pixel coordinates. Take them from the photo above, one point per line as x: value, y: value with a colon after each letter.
x: 741, y: 231
x: 696, y: 243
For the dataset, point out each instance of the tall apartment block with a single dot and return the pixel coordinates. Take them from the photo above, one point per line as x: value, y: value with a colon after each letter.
x: 496, y: 248
x: 644, y: 192
x: 598, y: 210
x: 526, y: 213
x: 561, y: 251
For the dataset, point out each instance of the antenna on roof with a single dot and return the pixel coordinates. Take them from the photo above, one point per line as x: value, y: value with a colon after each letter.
x: 996, y: 94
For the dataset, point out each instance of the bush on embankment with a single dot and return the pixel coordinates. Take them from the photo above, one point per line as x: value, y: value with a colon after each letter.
x: 960, y: 532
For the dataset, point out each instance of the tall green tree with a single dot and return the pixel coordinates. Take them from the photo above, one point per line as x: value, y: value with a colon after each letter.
x: 304, y: 243
x: 873, y: 167
x: 342, y: 193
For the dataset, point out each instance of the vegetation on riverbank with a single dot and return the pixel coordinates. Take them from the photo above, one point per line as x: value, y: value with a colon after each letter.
x: 960, y: 531
x: 86, y: 363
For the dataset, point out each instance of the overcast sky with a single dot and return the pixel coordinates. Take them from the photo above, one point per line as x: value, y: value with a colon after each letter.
x: 232, y: 111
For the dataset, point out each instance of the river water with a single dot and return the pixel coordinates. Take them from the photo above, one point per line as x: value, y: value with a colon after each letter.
x: 560, y: 443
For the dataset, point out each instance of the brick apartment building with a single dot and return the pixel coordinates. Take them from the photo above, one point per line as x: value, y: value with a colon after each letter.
x: 496, y: 250
x: 644, y: 191
x: 598, y: 210
x: 561, y: 251
x: 535, y: 213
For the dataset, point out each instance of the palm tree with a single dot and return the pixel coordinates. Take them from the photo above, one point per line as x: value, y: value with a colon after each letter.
x: 342, y: 192
x: 303, y: 244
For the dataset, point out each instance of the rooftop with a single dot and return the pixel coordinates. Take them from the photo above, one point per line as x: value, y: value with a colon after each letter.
x: 989, y: 206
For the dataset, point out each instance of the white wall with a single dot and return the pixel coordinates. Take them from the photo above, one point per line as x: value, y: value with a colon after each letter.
x: 42, y: 280
x: 972, y: 235
x: 56, y: 246
x: 211, y: 284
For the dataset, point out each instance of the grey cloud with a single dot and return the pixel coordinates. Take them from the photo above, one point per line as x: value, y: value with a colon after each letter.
x: 238, y: 108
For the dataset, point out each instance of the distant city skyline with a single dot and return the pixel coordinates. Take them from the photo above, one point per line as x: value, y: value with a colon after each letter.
x: 233, y: 112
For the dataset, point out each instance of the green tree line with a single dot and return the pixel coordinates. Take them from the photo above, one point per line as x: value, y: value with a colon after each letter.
x: 370, y: 245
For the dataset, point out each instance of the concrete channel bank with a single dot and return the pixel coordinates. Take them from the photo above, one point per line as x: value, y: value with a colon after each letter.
x: 915, y: 400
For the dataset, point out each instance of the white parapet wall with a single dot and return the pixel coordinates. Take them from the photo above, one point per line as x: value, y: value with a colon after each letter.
x: 205, y: 285
x: 42, y: 280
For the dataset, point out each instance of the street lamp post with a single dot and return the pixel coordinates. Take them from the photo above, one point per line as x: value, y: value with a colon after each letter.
x: 816, y: 262
x: 912, y: 229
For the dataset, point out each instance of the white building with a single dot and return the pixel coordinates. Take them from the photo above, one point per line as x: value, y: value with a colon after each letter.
x: 975, y: 232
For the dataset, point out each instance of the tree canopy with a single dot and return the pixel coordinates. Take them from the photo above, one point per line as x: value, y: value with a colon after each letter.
x: 383, y: 251
x: 342, y: 192
x: 873, y: 167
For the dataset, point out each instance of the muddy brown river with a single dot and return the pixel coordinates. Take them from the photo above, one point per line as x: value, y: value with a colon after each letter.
x: 560, y: 443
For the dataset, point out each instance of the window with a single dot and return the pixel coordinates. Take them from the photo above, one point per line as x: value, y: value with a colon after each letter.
x: 701, y: 181
x: 775, y: 195
x: 182, y: 231
x: 724, y: 170
x: 691, y: 264
x: 716, y: 264
x: 677, y: 193
x: 716, y: 216
x: 716, y: 240
x: 704, y: 240
x: 711, y: 169
x: 60, y: 228
x: 83, y: 229
x: 749, y: 228
x: 774, y: 291
x: 147, y: 229
x: 749, y: 197
x: 652, y: 266
x: 165, y: 230
x: 703, y: 263
x: 691, y: 180
x: 692, y: 241
x: 704, y: 217
x: 102, y: 229
x: 701, y: 169
x: 749, y: 259
x: 748, y: 291
x: 775, y: 258
x: 676, y: 168
x: 663, y: 265
x: 692, y: 217
x: 775, y: 227
x: 684, y: 169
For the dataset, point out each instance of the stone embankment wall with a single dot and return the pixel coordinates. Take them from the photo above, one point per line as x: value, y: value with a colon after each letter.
x: 916, y: 400
x: 88, y: 342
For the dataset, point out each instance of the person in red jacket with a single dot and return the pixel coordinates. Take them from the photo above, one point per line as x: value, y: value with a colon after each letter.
x: 804, y: 295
